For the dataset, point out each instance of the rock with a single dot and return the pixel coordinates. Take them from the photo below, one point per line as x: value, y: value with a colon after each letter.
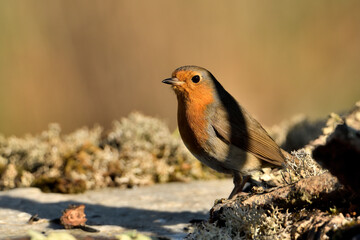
x: 341, y: 156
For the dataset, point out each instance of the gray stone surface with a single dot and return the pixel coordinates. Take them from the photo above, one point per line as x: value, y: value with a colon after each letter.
x: 163, y: 209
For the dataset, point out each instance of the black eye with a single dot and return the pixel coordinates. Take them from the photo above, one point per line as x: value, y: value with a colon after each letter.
x: 195, y: 79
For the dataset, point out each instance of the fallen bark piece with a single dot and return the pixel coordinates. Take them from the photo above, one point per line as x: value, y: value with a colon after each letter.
x: 73, y: 216
x: 307, y: 209
x: 319, y: 225
x: 302, y: 192
x: 341, y: 155
x: 310, y: 190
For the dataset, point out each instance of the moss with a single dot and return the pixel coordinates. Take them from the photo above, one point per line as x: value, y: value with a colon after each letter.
x: 137, y: 150
x: 59, y: 185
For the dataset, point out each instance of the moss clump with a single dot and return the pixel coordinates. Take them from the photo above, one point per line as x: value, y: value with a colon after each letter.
x: 300, y: 166
x: 60, y: 185
x: 246, y: 222
x: 138, y: 150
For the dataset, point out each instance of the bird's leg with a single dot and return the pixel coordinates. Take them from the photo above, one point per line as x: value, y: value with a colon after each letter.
x: 239, y: 183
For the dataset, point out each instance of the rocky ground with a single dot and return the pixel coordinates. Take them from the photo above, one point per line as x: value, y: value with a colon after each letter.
x: 316, y: 195
x: 160, y: 210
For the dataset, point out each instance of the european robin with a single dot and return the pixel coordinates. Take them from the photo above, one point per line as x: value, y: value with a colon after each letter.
x: 217, y: 130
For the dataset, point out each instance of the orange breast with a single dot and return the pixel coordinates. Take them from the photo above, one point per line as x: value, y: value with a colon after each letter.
x: 192, y: 120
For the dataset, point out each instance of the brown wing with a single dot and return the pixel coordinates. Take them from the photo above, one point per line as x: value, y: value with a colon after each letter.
x: 245, y: 132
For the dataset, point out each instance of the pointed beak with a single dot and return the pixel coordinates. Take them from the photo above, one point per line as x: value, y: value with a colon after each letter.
x: 173, y: 81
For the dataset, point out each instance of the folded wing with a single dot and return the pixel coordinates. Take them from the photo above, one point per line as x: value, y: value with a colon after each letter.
x: 245, y: 133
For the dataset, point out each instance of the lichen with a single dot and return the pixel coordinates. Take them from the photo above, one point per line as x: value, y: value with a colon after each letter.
x: 138, y: 150
x: 300, y: 166
x: 246, y: 222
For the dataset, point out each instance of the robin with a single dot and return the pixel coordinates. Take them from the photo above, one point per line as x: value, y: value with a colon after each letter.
x: 217, y: 130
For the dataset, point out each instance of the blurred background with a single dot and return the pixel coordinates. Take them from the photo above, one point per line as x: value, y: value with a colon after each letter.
x: 84, y: 62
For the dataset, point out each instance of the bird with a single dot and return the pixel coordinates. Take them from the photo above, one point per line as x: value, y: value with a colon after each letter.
x: 218, y: 131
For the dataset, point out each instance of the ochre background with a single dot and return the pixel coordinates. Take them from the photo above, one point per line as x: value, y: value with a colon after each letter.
x: 85, y: 62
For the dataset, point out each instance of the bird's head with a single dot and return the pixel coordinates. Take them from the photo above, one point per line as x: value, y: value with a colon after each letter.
x: 192, y: 83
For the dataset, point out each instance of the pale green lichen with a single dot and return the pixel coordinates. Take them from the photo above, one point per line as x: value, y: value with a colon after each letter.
x: 52, y: 236
x: 301, y: 166
x: 138, y: 150
x: 134, y: 235
x: 246, y: 222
